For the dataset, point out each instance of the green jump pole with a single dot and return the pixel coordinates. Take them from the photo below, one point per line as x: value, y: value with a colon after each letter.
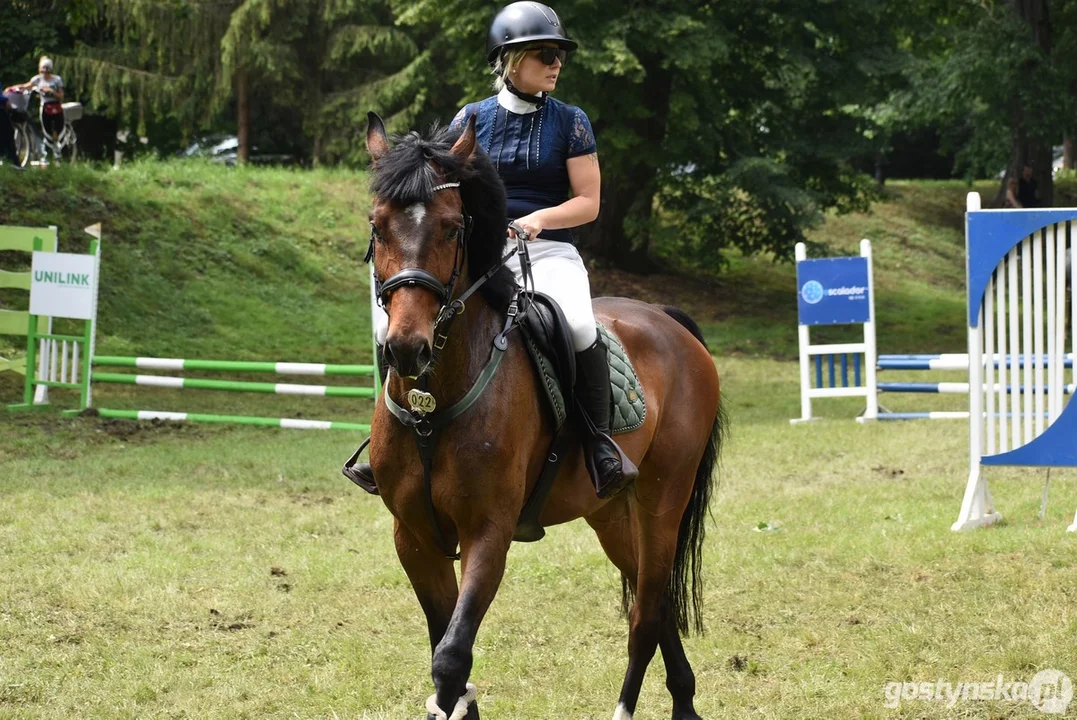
x: 296, y: 424
x: 233, y: 385
x: 280, y: 368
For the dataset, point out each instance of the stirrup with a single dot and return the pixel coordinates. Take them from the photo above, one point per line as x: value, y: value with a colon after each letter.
x: 357, y: 471
x: 629, y: 471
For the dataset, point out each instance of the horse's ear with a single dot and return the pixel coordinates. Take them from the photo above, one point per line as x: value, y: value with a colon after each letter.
x: 465, y: 145
x: 377, y: 144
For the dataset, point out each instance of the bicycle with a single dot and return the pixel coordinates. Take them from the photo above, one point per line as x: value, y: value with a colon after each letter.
x: 30, y: 142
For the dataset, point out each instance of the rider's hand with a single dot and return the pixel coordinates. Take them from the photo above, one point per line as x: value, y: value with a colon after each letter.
x: 532, y: 224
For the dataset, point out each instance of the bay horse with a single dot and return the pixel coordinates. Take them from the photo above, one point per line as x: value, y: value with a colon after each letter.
x: 438, y: 217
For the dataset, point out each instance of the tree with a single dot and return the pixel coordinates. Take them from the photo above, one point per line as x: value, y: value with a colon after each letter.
x: 727, y: 124
x: 189, y: 60
x: 153, y: 57
x: 1001, y: 75
x: 326, y: 60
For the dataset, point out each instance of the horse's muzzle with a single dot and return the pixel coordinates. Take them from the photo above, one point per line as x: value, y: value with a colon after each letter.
x: 408, y: 357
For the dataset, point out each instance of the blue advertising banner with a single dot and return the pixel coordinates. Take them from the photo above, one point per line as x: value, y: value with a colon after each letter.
x: 833, y: 291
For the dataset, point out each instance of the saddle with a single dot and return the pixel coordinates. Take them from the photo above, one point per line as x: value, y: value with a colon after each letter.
x: 549, y: 343
x: 548, y: 340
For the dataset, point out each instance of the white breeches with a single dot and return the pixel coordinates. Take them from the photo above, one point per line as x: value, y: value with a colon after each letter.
x: 560, y: 273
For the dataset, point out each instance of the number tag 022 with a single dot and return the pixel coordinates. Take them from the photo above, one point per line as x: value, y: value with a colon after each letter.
x: 421, y: 403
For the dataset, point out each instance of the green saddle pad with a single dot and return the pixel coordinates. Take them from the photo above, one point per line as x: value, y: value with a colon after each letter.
x: 626, y: 394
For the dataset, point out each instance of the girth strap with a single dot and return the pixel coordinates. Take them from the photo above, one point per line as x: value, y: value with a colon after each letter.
x: 528, y: 527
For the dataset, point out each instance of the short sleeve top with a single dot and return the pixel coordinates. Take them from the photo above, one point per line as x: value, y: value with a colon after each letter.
x: 531, y: 151
x: 53, y: 83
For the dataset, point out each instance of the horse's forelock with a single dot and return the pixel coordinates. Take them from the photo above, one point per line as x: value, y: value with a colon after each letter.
x: 409, y: 173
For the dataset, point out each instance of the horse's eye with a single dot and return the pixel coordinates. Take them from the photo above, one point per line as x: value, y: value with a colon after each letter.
x: 454, y: 234
x: 374, y: 232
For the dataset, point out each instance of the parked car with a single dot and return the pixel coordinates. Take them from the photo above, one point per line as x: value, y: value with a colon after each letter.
x: 224, y: 149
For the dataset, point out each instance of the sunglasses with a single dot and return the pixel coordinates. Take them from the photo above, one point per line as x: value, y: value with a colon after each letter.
x: 548, y: 54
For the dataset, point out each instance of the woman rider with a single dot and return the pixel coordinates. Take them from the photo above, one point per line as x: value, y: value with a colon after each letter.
x: 544, y: 150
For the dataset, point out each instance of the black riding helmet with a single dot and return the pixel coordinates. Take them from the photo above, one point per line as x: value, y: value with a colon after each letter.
x: 525, y: 22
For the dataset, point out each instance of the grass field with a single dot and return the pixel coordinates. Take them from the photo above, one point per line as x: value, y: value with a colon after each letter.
x: 153, y: 570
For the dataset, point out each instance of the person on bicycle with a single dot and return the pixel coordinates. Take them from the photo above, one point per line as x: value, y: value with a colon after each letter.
x: 51, y: 87
x: 545, y: 152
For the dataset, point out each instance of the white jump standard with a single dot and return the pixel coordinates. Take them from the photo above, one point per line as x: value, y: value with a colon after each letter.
x: 1018, y: 304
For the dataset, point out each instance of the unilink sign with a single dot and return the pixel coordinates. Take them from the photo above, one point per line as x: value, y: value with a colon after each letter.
x: 833, y: 291
x: 63, y: 285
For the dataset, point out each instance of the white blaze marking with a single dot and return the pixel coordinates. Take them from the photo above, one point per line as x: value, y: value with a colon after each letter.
x: 417, y: 212
x: 622, y: 713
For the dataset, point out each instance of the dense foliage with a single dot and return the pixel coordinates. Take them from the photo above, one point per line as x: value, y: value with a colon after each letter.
x: 731, y: 124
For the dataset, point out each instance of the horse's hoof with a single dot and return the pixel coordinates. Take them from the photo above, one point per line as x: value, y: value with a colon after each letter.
x: 472, y: 713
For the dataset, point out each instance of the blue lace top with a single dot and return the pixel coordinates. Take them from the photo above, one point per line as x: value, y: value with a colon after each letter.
x: 530, y: 152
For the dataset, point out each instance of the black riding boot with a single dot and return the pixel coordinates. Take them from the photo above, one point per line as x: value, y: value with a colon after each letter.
x: 361, y: 473
x: 610, y: 469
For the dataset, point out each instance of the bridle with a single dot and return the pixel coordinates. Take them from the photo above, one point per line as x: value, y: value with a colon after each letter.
x: 424, y: 418
x: 415, y: 276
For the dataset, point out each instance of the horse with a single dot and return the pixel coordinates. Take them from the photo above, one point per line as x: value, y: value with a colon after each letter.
x: 438, y: 218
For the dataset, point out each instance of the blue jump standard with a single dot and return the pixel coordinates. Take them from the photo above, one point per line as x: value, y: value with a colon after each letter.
x: 844, y: 370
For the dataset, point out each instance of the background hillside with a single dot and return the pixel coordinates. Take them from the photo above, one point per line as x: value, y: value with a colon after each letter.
x: 204, y: 261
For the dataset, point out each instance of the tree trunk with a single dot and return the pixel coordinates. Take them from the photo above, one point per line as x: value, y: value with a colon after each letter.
x: 622, y: 233
x: 1025, y: 149
x: 627, y: 199
x: 1069, y: 151
x: 880, y: 172
x: 316, y: 155
x: 243, y: 113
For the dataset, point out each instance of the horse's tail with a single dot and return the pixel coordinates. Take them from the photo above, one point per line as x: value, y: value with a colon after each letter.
x: 685, y: 593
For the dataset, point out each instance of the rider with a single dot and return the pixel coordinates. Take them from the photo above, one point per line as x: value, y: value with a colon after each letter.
x: 51, y: 87
x: 545, y: 152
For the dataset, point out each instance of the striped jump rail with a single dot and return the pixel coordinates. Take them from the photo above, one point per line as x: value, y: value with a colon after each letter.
x: 294, y: 424
x: 233, y: 366
x: 278, y: 368
x: 960, y: 361
x: 163, y: 381
x: 936, y: 415
x: 956, y: 388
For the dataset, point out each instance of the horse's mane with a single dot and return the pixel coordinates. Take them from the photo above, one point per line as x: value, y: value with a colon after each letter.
x: 407, y: 175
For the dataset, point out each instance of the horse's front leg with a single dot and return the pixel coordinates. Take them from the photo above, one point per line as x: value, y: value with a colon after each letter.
x: 433, y: 578
x: 483, y: 565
